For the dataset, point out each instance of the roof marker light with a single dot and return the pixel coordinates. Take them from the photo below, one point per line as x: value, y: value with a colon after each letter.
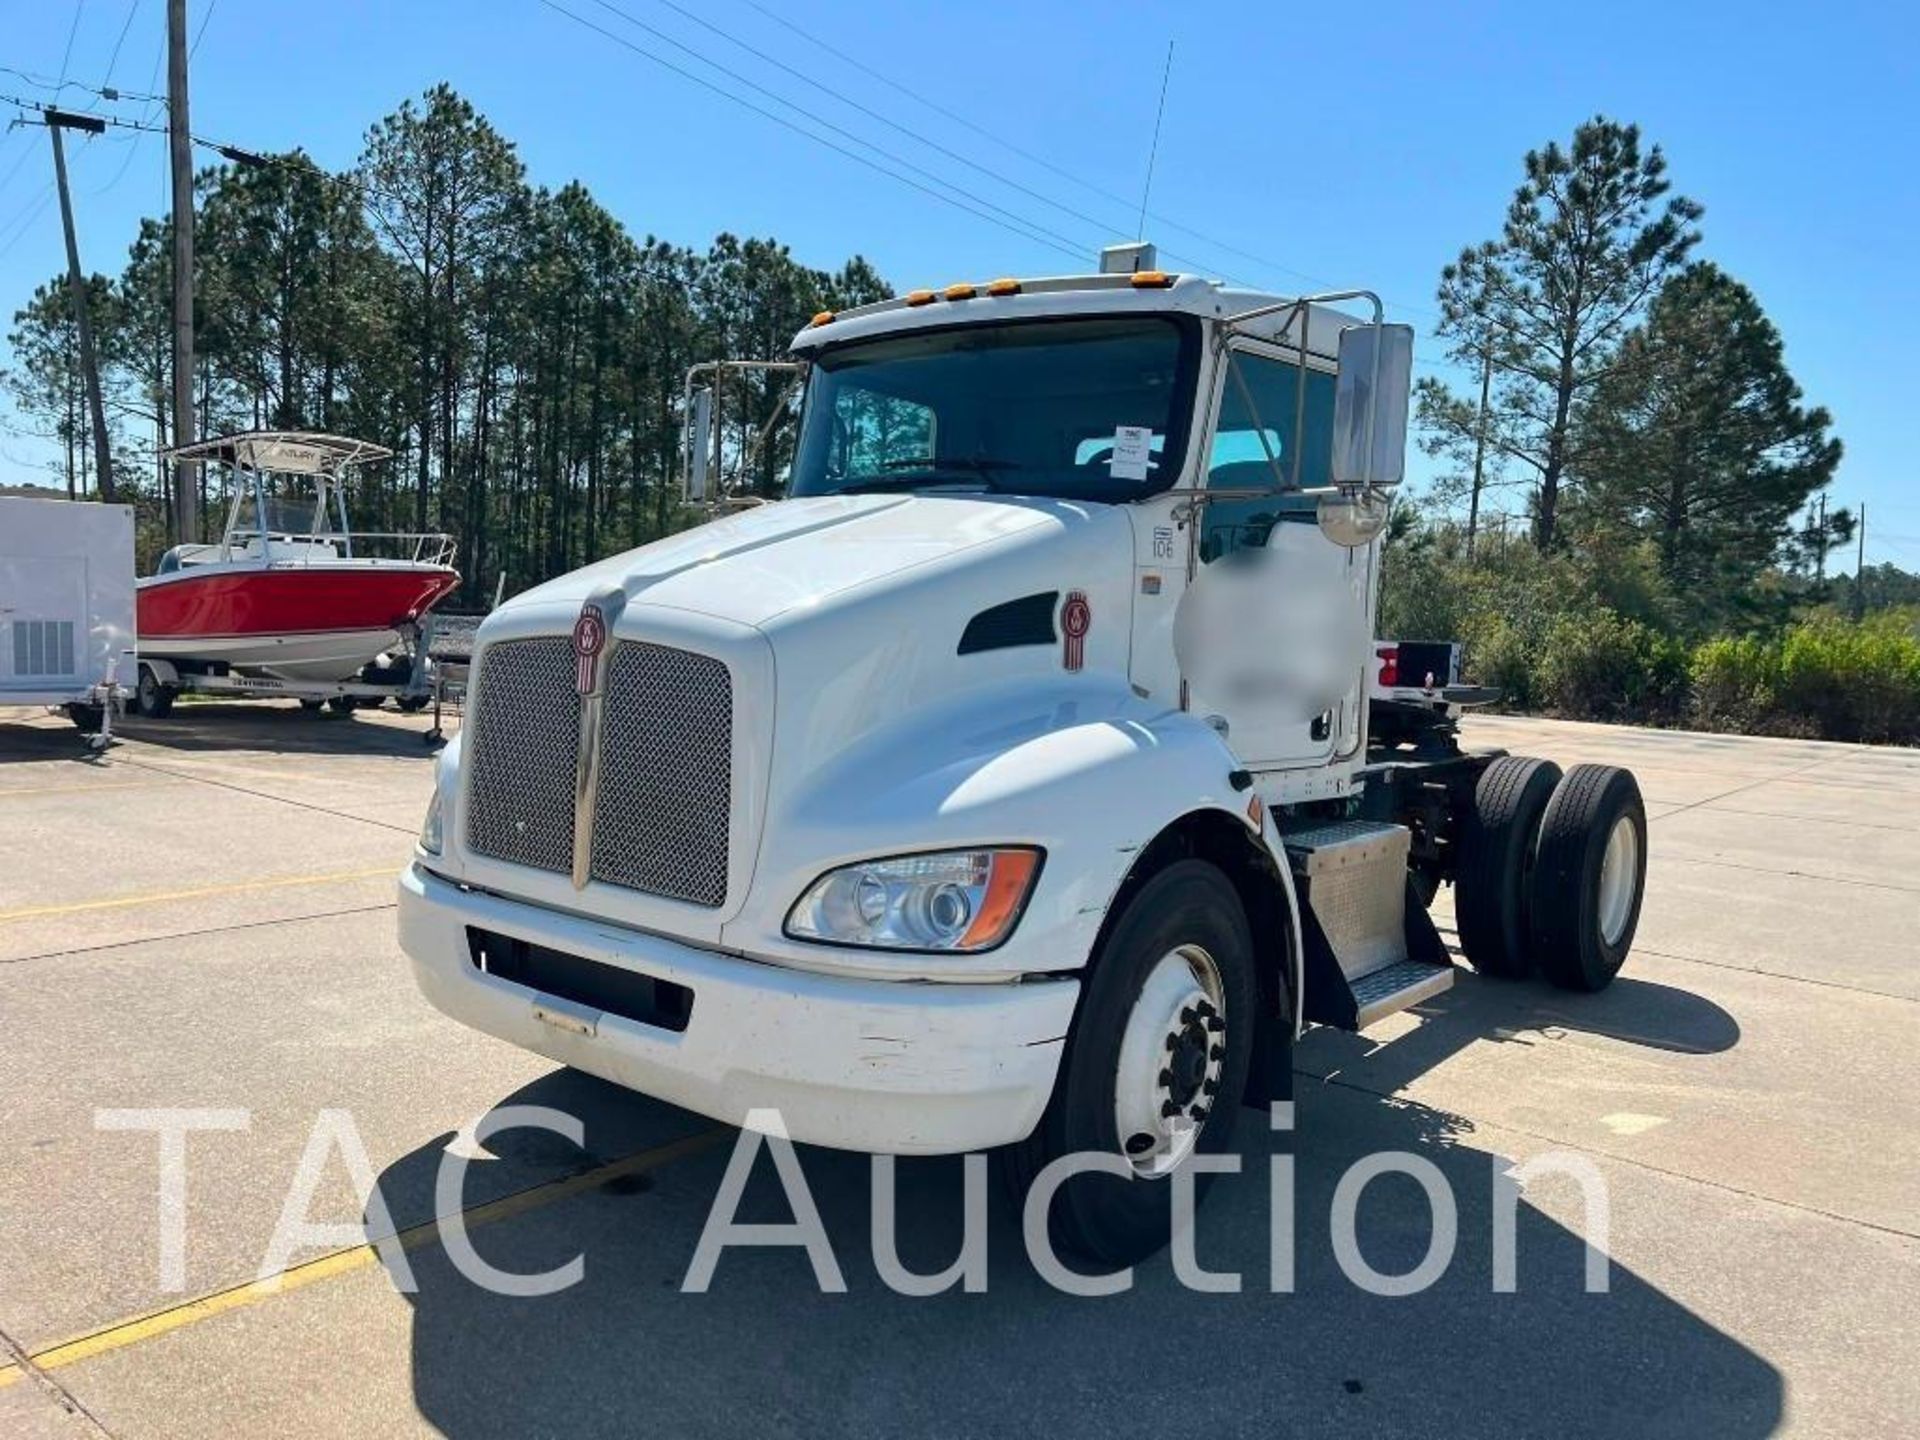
x: 1151, y: 279
x: 1004, y: 287
x: 825, y: 317
x: 919, y: 297
x: 961, y: 292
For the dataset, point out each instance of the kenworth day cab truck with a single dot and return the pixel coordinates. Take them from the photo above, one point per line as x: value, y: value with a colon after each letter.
x: 1028, y: 777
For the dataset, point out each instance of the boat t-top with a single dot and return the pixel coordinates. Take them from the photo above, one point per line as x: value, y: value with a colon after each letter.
x: 290, y: 591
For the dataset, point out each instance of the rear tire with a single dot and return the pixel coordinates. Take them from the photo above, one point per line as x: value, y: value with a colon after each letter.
x: 312, y: 707
x: 1589, y: 877
x: 342, y: 704
x: 1493, y: 898
x: 1188, y: 914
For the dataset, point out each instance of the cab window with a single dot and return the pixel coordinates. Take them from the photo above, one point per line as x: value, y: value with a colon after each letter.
x: 1238, y: 459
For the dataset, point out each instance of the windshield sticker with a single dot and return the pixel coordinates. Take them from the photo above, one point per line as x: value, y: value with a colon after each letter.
x: 1132, y: 448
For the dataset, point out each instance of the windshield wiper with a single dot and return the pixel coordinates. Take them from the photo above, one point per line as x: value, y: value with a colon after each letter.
x: 925, y: 470
x: 980, y: 464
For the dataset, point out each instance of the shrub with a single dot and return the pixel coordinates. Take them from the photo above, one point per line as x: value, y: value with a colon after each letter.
x: 1828, y: 677
x: 1598, y: 665
x: 1734, y: 681
x: 1857, y: 681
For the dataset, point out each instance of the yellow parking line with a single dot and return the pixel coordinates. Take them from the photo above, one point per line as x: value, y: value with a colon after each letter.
x: 154, y: 897
x: 9, y: 793
x: 341, y: 1262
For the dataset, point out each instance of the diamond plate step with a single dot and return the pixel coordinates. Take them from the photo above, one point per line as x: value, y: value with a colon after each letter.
x: 1380, y: 993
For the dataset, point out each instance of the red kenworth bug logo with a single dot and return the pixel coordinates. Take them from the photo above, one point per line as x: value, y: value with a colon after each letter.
x: 589, y: 639
x: 1076, y: 618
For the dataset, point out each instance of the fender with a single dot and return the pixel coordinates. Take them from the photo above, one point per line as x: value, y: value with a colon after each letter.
x: 163, y: 670
x: 1080, y: 766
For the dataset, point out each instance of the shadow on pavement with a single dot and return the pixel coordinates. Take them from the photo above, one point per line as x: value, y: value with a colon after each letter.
x: 282, y: 728
x: 764, y: 1352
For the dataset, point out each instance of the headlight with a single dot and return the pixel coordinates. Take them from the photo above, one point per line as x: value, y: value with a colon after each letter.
x: 430, y: 827
x: 960, y: 900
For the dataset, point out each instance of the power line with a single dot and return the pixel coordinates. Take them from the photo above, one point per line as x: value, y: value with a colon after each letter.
x: 56, y: 87
x: 1016, y: 227
x: 1067, y: 243
x: 1030, y: 156
x: 201, y: 28
x: 27, y: 220
x: 133, y: 9
x: 72, y: 30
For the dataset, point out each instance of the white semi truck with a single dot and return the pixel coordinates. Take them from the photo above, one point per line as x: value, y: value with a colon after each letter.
x: 1028, y: 777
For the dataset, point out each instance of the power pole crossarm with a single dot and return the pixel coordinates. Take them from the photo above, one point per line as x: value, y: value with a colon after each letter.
x: 58, y: 120
x: 186, y: 501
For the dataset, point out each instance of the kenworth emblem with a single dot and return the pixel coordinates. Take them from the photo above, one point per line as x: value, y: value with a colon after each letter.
x: 1076, y: 618
x: 589, y: 639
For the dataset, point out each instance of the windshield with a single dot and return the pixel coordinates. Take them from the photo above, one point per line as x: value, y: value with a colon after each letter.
x: 1079, y: 409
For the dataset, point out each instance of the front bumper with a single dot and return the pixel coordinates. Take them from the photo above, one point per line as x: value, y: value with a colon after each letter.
x: 888, y: 1066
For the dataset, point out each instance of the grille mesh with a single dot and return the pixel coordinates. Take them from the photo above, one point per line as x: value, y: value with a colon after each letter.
x: 525, y: 737
x: 666, y: 774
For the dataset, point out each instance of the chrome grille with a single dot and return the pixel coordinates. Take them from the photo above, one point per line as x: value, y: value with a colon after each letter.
x: 524, y: 734
x: 666, y: 774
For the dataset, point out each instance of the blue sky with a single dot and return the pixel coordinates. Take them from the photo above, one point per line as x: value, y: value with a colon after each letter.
x: 1348, y: 145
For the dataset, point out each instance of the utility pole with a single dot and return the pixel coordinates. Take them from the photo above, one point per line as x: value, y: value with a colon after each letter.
x: 1479, y: 446
x: 1821, y: 537
x: 58, y: 120
x: 186, y: 477
x: 1860, y: 566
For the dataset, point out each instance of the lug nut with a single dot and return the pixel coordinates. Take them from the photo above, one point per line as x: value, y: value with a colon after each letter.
x: 1205, y: 1007
x: 1198, y: 1112
x: 1169, y: 1109
x: 1210, y: 1087
x: 1173, y: 1042
x: 1216, y: 1052
x: 1188, y: 1014
x: 1166, y: 1077
x: 1216, y: 1024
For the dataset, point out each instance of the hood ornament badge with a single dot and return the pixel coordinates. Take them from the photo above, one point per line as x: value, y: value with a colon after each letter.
x: 592, y: 646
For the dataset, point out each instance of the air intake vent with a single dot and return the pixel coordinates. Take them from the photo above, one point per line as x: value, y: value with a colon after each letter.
x: 43, y: 647
x: 1026, y: 621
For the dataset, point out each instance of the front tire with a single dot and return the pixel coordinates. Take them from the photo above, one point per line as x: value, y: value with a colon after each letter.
x: 1589, y: 877
x: 1159, y: 1050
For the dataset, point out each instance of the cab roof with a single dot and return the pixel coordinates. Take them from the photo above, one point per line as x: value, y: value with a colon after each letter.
x: 1064, y: 296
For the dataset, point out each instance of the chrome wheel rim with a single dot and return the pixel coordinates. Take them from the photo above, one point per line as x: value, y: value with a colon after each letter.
x: 1171, y: 1056
x: 1619, y: 878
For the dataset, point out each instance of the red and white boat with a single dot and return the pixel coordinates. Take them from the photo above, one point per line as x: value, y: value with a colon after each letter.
x: 290, y: 591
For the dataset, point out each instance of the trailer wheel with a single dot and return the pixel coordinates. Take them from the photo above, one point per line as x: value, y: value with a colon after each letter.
x: 342, y: 704
x: 1497, y: 860
x: 312, y: 707
x: 1154, y: 1068
x: 85, y: 716
x: 1589, y: 877
x: 150, y: 697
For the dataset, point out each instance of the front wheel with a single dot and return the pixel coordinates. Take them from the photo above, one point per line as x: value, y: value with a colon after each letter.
x: 1155, y: 1066
x: 1589, y: 876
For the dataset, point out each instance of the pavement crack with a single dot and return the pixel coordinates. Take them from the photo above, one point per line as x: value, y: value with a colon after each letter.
x: 261, y: 794
x: 197, y: 934
x: 18, y: 1357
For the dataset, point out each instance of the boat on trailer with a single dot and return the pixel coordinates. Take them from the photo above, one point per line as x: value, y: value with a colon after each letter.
x: 290, y: 592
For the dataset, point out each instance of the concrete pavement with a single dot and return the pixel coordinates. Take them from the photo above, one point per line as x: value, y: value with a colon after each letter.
x: 202, y: 918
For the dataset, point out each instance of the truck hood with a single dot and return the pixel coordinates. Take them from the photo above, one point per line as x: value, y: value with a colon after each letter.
x: 759, y: 564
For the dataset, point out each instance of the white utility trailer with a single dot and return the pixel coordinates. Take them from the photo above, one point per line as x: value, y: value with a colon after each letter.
x: 66, y: 607
x: 1029, y: 776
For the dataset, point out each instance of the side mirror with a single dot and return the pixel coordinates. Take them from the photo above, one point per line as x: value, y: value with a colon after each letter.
x: 1370, y: 405
x: 698, y: 448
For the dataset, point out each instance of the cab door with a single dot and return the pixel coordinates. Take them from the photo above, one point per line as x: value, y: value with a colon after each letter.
x: 1271, y: 629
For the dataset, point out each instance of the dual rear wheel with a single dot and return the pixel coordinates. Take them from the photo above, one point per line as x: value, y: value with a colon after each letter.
x: 1551, y: 872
